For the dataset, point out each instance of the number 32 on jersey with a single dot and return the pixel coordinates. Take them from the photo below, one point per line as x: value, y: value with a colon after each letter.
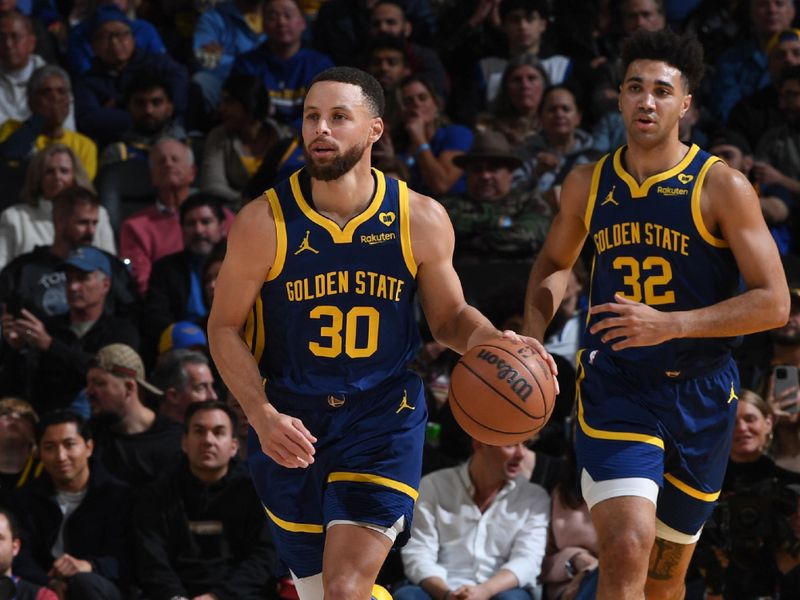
x: 645, y: 280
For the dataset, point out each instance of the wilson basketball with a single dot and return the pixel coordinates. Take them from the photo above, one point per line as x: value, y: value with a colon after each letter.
x: 501, y: 392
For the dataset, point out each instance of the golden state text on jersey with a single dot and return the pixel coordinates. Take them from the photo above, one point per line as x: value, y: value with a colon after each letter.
x: 336, y: 313
x: 651, y: 246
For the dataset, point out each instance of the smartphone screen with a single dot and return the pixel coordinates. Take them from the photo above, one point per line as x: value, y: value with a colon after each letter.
x: 786, y: 378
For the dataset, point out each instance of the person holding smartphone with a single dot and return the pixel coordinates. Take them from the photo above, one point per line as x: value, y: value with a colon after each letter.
x: 783, y: 388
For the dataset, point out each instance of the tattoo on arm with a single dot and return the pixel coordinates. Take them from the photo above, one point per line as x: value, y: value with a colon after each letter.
x: 665, y: 560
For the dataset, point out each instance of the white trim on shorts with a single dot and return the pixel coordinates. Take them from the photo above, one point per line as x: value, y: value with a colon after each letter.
x: 665, y: 532
x: 595, y: 492
x: 390, y: 532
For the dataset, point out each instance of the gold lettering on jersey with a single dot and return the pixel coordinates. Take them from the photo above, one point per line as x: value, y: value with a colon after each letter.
x: 666, y: 238
x: 321, y: 285
x: 374, y: 238
x: 387, y: 287
x: 631, y: 233
x: 672, y: 191
x: 365, y: 283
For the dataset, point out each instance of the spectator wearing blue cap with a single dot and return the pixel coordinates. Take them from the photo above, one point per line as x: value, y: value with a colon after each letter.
x: 47, y: 360
x: 79, y: 42
x: 182, y: 335
x: 100, y: 92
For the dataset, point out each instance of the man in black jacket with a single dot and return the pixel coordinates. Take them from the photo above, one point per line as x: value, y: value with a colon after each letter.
x: 134, y: 443
x: 201, y: 531
x: 74, y: 518
x: 175, y: 289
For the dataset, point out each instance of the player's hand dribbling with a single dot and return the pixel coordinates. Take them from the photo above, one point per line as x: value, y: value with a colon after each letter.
x: 539, y: 349
x: 634, y: 324
x: 285, y: 439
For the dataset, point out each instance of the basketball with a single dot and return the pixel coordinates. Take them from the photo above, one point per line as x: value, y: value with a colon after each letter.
x: 501, y: 392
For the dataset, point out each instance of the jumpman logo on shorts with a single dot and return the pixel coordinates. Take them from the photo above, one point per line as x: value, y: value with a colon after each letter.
x: 304, y: 245
x: 733, y: 395
x: 404, y: 403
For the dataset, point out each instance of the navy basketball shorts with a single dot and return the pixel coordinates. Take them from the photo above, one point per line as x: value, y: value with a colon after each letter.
x: 676, y: 431
x: 366, y: 467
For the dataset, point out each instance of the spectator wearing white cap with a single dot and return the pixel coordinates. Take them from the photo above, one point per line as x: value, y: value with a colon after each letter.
x: 133, y: 442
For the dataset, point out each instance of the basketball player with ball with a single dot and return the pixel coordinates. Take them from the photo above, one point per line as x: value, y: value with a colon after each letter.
x: 312, y: 328
x: 674, y: 231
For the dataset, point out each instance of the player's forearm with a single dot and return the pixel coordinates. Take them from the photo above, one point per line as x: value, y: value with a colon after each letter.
x: 238, y: 370
x: 545, y: 291
x: 467, y: 328
x: 754, y: 310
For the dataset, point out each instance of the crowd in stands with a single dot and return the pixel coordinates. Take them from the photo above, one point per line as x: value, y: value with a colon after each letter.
x: 131, y: 133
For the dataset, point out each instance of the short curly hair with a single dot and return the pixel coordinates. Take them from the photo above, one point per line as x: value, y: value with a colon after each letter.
x: 370, y: 88
x: 684, y: 52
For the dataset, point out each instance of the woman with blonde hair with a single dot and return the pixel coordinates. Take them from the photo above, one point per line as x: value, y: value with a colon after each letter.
x: 29, y: 224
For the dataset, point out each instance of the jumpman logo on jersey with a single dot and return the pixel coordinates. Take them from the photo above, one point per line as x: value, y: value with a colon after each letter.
x: 610, y: 197
x: 404, y: 403
x: 304, y: 245
x: 732, y: 395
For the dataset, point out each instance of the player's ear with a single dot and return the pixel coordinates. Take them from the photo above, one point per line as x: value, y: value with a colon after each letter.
x: 376, y: 129
x: 687, y: 102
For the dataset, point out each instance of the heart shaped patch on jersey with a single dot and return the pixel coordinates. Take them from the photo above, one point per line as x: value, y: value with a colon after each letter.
x: 386, y: 218
x: 685, y: 178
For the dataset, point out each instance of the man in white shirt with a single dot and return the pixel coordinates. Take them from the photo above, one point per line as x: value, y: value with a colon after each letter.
x: 479, y: 531
x: 17, y: 64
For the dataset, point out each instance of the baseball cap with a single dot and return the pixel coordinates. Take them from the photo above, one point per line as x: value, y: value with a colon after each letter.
x: 123, y: 361
x: 181, y: 334
x: 88, y: 259
x: 106, y: 14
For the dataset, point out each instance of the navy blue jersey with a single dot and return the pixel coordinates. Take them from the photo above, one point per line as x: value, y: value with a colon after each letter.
x: 652, y: 246
x: 336, y: 313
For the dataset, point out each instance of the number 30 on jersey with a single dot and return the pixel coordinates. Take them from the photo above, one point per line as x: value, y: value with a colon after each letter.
x: 339, y: 331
